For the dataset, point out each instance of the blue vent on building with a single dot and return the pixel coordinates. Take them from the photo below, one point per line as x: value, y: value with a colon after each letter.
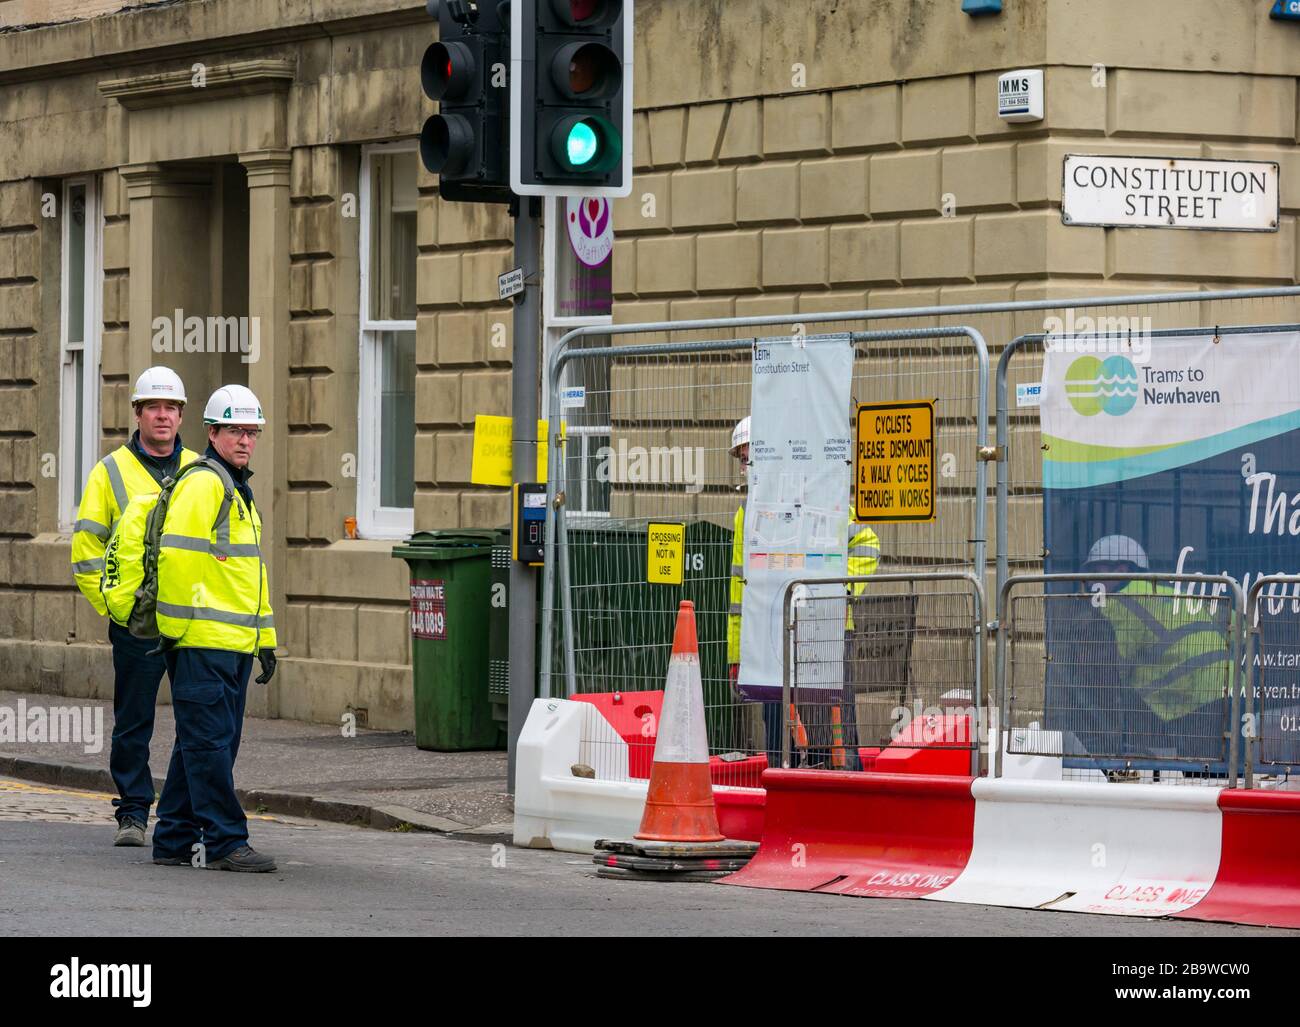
x: 974, y: 7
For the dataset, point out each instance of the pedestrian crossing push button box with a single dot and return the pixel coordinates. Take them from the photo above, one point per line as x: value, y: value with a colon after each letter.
x: 530, y: 522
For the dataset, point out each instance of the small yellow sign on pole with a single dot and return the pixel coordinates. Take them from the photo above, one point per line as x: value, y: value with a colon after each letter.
x: 894, y: 473
x: 665, y: 553
x: 492, y: 461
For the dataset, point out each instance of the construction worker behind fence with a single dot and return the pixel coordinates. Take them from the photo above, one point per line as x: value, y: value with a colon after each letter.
x: 214, y: 616
x: 153, y: 453
x: 1157, y: 691
x: 814, y: 726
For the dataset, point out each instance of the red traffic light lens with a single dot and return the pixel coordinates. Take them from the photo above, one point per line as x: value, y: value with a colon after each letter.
x: 587, y: 71
x: 447, y: 70
x: 582, y: 12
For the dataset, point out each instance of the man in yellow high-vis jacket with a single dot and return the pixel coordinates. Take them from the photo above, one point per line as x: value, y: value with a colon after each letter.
x: 1163, y: 687
x: 863, y: 559
x: 139, y: 467
x: 214, y: 616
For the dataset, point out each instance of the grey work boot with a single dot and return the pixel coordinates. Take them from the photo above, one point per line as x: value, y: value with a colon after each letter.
x: 244, y: 859
x: 129, y: 832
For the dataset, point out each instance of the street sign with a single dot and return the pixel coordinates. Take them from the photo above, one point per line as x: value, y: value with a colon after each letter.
x: 511, y: 283
x: 1169, y: 192
x: 894, y: 479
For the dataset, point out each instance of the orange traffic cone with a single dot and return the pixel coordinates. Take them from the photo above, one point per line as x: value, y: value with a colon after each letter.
x: 679, y: 806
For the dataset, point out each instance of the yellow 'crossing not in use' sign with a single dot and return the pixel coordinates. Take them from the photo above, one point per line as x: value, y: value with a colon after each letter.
x: 665, y: 553
x: 894, y: 476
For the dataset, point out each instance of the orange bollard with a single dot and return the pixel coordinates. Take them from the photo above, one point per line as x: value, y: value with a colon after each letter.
x: 837, y: 739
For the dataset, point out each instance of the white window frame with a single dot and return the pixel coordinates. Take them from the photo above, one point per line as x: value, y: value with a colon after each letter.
x: 373, y: 520
x: 556, y: 327
x: 90, y: 348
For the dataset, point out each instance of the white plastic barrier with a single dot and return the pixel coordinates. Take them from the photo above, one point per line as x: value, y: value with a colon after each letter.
x: 554, y: 809
x: 1127, y: 849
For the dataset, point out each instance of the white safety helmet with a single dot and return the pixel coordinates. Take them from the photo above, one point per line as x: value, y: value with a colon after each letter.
x: 739, y: 435
x: 158, y: 383
x: 1117, y: 549
x: 233, y: 404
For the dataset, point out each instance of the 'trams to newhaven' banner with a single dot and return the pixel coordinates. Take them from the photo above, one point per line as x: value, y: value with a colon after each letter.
x: 1191, y: 448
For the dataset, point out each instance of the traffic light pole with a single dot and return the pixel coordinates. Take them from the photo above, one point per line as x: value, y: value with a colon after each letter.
x: 525, y: 385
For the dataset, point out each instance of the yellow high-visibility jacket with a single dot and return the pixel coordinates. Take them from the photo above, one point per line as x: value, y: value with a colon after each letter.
x: 864, y: 558
x: 212, y: 586
x: 1176, y: 662
x: 112, y: 483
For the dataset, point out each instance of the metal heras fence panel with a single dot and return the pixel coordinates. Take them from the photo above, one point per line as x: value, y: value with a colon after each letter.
x: 1272, y: 712
x: 884, y: 660
x: 1123, y: 676
x: 1133, y: 329
x: 710, y: 393
x: 648, y: 442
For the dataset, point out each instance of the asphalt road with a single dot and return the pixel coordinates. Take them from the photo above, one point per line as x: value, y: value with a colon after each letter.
x: 60, y: 875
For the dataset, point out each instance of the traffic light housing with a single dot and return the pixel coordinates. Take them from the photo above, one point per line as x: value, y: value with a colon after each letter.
x: 571, y: 97
x: 466, y: 72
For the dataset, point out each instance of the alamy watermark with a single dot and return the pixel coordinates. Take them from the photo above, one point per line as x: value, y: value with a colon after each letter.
x: 75, y: 979
x: 652, y: 465
x: 181, y: 334
x: 57, y: 725
x: 1082, y: 333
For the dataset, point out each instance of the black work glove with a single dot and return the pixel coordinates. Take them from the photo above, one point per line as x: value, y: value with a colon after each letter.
x: 165, y: 644
x: 266, y: 657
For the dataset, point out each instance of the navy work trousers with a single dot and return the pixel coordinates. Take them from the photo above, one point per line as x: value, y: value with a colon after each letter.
x: 136, y: 677
x: 198, y: 802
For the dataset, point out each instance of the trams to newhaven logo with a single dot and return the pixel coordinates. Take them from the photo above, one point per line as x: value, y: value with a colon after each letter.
x: 1113, y: 386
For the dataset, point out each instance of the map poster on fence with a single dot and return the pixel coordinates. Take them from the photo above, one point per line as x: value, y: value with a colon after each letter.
x: 1187, y: 451
x: 797, y: 510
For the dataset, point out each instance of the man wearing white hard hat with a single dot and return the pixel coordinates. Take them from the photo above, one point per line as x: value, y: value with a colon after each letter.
x: 214, y: 617
x: 153, y: 453
x: 1159, y: 689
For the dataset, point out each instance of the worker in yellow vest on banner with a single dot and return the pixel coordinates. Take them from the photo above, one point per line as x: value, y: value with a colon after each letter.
x: 1162, y: 687
x: 153, y: 453
x: 863, y: 559
x: 214, y: 617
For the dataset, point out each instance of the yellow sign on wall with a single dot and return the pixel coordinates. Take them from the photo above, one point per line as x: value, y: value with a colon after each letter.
x: 894, y: 473
x: 492, y: 461
x: 665, y: 553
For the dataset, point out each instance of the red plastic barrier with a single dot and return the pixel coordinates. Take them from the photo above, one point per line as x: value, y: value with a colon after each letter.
x: 947, y: 752
x: 1259, y: 864
x: 740, y: 813
x: 881, y: 835
x: 635, y: 716
x: 746, y: 773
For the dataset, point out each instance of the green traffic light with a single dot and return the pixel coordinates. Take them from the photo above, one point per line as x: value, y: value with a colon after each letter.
x: 585, y: 145
x: 582, y: 145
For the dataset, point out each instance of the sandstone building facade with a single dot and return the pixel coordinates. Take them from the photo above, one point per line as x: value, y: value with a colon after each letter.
x: 247, y: 160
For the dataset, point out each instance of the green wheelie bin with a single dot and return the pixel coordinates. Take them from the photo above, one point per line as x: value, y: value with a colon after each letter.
x: 451, y: 596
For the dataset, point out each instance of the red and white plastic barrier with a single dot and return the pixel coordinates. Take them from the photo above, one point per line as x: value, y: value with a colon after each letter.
x: 1123, y: 849
x: 1258, y: 879
x: 881, y: 835
x: 554, y: 809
